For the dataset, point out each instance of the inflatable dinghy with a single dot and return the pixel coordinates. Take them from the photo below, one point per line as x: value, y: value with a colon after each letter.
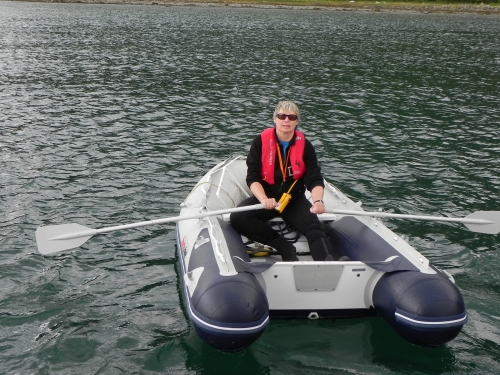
x: 233, y: 287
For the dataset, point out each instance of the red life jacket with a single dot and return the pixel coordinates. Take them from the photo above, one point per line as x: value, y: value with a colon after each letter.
x: 269, y: 141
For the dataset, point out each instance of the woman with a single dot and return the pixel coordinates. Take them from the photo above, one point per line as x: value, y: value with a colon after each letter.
x: 282, y: 160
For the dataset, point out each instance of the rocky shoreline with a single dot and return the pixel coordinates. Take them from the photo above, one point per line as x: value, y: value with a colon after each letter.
x: 347, y: 6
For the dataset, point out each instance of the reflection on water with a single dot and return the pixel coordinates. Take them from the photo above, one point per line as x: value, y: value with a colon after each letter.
x: 110, y: 114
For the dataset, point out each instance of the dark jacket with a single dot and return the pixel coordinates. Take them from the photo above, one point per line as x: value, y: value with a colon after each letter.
x: 311, y: 178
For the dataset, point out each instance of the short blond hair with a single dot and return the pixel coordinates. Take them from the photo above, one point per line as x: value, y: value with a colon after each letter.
x: 285, y: 106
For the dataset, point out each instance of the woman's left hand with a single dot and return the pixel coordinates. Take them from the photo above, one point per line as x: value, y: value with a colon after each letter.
x: 318, y: 208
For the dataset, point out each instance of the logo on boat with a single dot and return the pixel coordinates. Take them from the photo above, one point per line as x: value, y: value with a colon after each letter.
x: 184, y: 246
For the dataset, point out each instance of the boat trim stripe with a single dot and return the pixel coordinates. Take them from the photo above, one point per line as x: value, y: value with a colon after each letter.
x: 461, y: 320
x: 264, y: 323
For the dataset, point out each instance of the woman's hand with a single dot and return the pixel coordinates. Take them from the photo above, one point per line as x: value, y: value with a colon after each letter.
x: 260, y: 194
x: 269, y: 203
x: 318, y: 208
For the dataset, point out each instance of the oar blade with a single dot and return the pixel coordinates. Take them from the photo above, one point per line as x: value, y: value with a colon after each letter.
x: 47, y: 244
x: 490, y: 228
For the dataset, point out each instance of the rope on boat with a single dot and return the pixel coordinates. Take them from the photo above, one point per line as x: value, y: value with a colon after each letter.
x: 209, y: 183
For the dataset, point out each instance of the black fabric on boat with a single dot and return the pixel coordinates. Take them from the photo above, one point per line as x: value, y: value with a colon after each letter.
x: 236, y: 299
x: 389, y: 265
x: 425, y: 309
x: 252, y: 267
x: 234, y: 243
x: 238, y: 251
x: 351, y: 237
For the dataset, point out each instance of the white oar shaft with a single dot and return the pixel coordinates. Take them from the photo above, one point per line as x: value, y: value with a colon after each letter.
x: 93, y: 232
x: 415, y: 217
x: 69, y: 236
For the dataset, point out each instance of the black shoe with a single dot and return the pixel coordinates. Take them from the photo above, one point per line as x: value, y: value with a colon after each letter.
x: 285, y: 249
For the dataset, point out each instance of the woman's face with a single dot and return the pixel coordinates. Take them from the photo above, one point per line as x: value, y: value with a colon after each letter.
x: 285, y: 126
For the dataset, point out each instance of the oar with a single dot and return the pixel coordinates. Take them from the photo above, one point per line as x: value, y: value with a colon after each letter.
x: 479, y: 221
x: 55, y: 238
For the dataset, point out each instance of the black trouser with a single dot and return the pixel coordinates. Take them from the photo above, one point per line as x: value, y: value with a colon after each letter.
x: 253, y: 225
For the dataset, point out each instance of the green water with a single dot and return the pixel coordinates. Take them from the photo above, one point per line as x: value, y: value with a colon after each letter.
x: 110, y: 115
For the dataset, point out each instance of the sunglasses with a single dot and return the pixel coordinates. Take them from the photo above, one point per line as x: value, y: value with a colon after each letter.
x: 283, y: 116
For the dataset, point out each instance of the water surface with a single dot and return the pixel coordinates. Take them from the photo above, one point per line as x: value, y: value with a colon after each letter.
x: 110, y: 114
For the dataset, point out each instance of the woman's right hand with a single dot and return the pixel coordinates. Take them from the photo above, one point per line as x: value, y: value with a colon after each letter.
x: 269, y: 203
x: 260, y: 194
